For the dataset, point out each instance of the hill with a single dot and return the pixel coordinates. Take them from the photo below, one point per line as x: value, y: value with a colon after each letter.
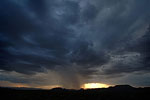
x: 119, y: 92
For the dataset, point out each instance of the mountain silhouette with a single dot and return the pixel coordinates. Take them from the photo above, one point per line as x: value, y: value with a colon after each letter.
x: 118, y: 92
x: 123, y: 87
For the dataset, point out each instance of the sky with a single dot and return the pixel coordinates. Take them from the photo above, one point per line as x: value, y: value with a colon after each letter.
x: 67, y: 43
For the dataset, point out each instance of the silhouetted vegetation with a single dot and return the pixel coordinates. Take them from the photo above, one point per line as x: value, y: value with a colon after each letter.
x: 119, y: 92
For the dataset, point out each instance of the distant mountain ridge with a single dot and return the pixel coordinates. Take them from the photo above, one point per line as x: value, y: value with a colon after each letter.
x: 118, y: 92
x: 60, y: 88
x: 122, y: 86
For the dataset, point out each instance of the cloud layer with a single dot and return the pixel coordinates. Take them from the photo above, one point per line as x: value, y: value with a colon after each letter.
x: 74, y: 41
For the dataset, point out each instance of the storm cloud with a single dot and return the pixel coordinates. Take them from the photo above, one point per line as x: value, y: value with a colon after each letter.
x: 73, y: 40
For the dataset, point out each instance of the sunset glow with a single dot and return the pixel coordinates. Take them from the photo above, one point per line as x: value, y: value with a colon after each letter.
x: 11, y: 84
x: 49, y: 87
x: 74, y: 44
x: 94, y: 85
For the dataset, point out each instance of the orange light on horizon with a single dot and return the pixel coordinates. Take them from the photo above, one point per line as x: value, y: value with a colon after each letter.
x: 94, y: 85
x: 11, y: 84
x: 21, y: 85
x: 48, y: 87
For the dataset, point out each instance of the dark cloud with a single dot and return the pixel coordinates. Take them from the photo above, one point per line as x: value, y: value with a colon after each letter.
x: 90, y: 12
x: 133, y: 57
x: 80, y: 38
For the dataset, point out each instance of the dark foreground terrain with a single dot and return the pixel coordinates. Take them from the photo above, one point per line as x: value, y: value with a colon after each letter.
x: 112, y: 93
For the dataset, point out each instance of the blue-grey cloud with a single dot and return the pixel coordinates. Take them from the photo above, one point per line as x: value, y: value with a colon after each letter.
x: 82, y: 38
